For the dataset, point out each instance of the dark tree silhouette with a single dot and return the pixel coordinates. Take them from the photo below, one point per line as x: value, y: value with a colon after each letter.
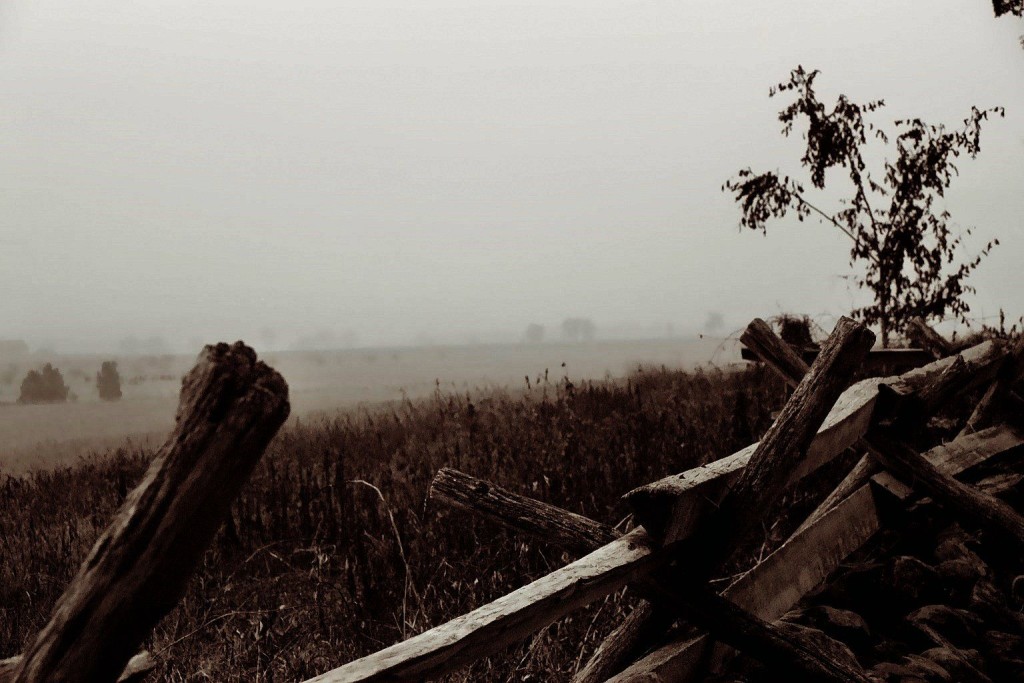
x: 43, y: 386
x: 1002, y: 7
x: 108, y: 381
x: 910, y: 252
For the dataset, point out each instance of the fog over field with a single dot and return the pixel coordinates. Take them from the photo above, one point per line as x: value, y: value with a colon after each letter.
x: 320, y: 383
x: 367, y: 175
x: 400, y: 172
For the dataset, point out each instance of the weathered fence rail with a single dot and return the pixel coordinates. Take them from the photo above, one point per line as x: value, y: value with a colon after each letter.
x: 231, y: 406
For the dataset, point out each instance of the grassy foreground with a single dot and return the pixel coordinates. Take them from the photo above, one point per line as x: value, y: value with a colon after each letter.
x: 332, y: 553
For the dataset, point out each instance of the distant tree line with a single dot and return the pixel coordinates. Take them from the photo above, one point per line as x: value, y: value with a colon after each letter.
x: 47, y: 385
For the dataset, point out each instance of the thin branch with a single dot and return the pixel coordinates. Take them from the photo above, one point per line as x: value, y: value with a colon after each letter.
x: 833, y: 221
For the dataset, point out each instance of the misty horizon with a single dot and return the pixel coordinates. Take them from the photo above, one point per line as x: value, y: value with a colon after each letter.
x: 400, y: 173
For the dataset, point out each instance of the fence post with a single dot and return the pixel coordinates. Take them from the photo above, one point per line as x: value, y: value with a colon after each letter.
x: 231, y: 406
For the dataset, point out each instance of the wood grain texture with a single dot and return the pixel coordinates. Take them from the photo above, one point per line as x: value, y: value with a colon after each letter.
x: 922, y: 334
x: 769, y: 348
x: 644, y: 625
x: 920, y: 474
x: 701, y: 605
x: 954, y: 377
x: 788, y: 656
x: 547, y: 522
x: 563, y: 529
x: 231, y: 406
x: 995, y: 399
x: 773, y: 464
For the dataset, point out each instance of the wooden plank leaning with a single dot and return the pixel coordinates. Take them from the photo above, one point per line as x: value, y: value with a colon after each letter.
x: 693, y: 491
x: 663, y: 504
x: 806, y: 559
x: 916, y: 471
x: 1000, y: 395
x: 231, y: 406
x: 782, y: 450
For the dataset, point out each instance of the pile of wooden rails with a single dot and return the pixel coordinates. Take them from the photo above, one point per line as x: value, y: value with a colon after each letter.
x: 689, y: 524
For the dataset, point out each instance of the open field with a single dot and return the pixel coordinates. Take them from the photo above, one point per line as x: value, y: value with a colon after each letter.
x: 319, y: 381
x: 312, y: 572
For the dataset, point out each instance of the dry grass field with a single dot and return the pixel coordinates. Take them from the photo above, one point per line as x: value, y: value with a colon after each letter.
x: 320, y: 382
x: 331, y: 552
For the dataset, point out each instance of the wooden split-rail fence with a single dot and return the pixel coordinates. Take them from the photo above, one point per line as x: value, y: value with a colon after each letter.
x: 688, y: 525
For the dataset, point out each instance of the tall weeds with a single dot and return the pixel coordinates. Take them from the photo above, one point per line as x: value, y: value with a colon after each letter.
x: 332, y: 552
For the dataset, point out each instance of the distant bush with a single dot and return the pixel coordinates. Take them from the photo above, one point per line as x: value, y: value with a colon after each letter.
x: 108, y: 381
x: 43, y: 386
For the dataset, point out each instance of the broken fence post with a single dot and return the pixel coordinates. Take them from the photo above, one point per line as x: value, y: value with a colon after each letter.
x: 231, y: 406
x: 922, y: 334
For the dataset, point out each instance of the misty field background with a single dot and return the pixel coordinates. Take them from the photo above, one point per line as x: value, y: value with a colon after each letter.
x: 320, y: 382
x: 332, y: 552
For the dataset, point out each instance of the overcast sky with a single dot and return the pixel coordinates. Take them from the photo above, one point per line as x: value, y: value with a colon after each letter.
x: 440, y: 169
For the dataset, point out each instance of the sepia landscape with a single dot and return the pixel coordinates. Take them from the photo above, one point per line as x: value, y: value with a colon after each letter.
x: 513, y: 341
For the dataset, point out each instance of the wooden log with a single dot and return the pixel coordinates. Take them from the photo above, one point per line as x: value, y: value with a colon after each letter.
x: 547, y: 522
x: 231, y: 406
x: 954, y: 378
x: 770, y: 349
x: 991, y: 403
x: 139, y: 666
x: 488, y: 629
x: 809, y: 556
x: 914, y: 401
x: 667, y: 511
x: 771, y: 588
x: 701, y: 488
x: 772, y: 464
x: 922, y: 475
x: 951, y: 455
x: 703, y: 606
x: 563, y: 529
x: 922, y: 334
x: 788, y: 656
